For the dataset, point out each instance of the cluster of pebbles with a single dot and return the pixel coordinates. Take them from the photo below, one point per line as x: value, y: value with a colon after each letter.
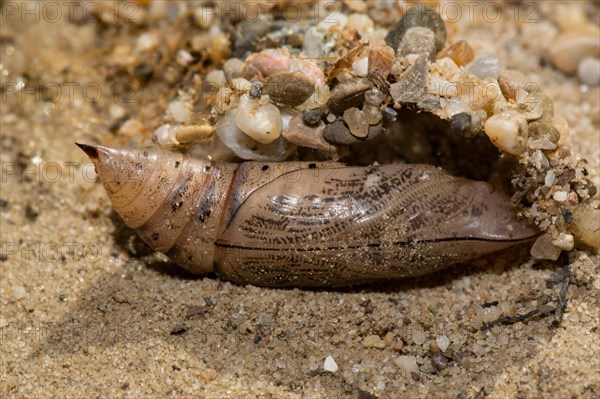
x: 291, y: 88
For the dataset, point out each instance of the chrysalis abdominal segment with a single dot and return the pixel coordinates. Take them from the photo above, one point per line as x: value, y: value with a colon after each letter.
x: 301, y: 224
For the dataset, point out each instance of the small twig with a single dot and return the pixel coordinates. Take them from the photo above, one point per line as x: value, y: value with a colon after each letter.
x: 562, y: 297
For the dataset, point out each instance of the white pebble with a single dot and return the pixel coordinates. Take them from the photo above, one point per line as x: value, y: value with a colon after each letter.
x: 183, y: 57
x: 564, y: 241
x: 361, y: 66
x: 549, y: 179
x: 571, y: 47
x: 147, y: 42
x: 588, y: 71
x: 204, y: 16
x: 179, y: 111
x: 443, y: 343
x: 560, y: 196
x: 361, y: 23
x: 19, y: 292
x: 330, y: 365
x: 216, y: 77
x: 261, y: 122
x: 407, y: 364
x: 508, y: 132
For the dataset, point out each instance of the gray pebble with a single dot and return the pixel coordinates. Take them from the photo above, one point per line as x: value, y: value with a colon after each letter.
x: 247, y: 35
x: 418, y: 40
x: 418, y: 16
x: 588, y: 71
x: 338, y: 133
x: 412, y: 83
x: 460, y: 124
x: 389, y: 116
x: 312, y: 117
x: 488, y: 67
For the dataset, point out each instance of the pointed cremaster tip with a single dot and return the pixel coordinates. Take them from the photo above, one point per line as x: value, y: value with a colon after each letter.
x: 90, y: 150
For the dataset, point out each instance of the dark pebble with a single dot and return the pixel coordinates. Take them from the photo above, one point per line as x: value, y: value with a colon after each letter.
x: 3, y: 203
x: 389, y: 116
x: 461, y: 124
x: 256, y: 90
x: 31, y: 212
x: 62, y: 297
x: 178, y: 331
x: 439, y: 361
x: 248, y: 34
x: 143, y: 72
x: 208, y: 301
x: 312, y: 117
x: 3, y: 257
x: 418, y: 16
x: 418, y: 40
x: 568, y: 215
x: 338, y: 133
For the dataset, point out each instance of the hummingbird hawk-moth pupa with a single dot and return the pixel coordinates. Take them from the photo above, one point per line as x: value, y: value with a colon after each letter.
x: 304, y: 224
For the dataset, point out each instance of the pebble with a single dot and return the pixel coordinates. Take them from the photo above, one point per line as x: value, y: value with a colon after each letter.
x: 19, y: 292
x: 560, y: 196
x: 588, y: 71
x: 411, y: 86
x: 373, y: 341
x: 245, y: 147
x: 586, y: 219
x: 179, y: 111
x: 407, y: 364
x: 247, y: 35
x: 571, y: 47
x: 460, y: 52
x: 419, y: 337
x: 564, y: 241
x: 361, y: 23
x: 312, y: 117
x: 216, y: 77
x: 147, y: 42
x: 418, y: 40
x: 204, y: 16
x: 330, y: 365
x: 337, y: 133
x: 439, y: 361
x: 508, y: 132
x: 361, y: 66
x: 374, y: 96
x: 443, y: 342
x: 543, y: 248
x: 418, y: 16
x: 232, y: 68
x: 288, y: 89
x: 261, y: 122
x: 356, y: 122
x: 302, y: 135
x: 183, y: 58
x: 460, y: 124
x: 488, y: 67
x: 346, y: 94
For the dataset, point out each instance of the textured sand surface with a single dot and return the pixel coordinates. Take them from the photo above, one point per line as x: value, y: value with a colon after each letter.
x: 87, y: 311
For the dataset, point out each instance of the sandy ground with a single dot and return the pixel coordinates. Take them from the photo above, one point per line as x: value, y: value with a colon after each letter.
x: 87, y: 311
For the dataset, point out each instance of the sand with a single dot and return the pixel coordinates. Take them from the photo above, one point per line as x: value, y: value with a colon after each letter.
x: 86, y: 310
